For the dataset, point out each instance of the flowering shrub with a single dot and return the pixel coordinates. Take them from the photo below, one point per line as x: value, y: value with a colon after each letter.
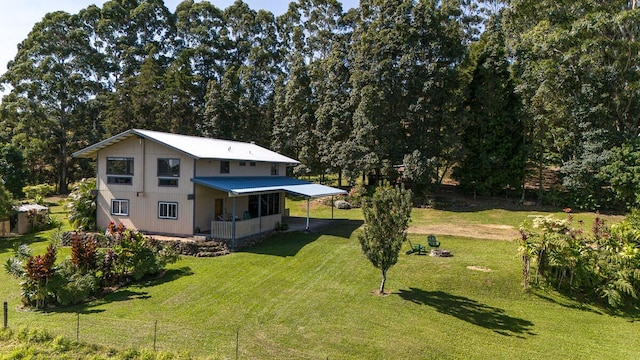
x: 356, y: 194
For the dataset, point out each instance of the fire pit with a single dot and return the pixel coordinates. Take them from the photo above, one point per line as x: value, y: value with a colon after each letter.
x: 440, y: 253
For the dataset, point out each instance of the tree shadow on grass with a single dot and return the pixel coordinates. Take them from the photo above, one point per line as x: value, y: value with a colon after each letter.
x: 470, y: 311
x: 589, y: 304
x: 165, y: 277
x: 575, y: 304
x: 9, y: 244
x: 125, y: 293
x: 289, y: 243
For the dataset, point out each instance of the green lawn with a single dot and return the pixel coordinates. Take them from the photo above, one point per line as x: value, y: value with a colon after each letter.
x: 310, y: 296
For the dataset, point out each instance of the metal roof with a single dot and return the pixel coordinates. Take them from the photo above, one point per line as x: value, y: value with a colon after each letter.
x: 242, y: 186
x: 29, y: 207
x: 195, y: 147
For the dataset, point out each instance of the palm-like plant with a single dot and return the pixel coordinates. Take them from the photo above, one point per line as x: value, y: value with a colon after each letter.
x: 604, y: 262
x: 82, y: 205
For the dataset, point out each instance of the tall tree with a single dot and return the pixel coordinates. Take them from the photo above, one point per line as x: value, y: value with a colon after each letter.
x: 386, y: 216
x: 293, y: 130
x: 251, y: 39
x: 201, y: 57
x: 12, y: 169
x: 404, y: 82
x: 334, y: 112
x: 492, y: 135
x: 579, y: 85
x: 52, y: 75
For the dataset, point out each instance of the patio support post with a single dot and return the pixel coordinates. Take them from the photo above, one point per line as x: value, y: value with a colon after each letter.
x: 307, y: 228
x: 260, y: 213
x: 332, y: 204
x: 233, y: 227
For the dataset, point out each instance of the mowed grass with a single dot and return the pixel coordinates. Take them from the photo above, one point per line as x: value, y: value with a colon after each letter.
x: 310, y: 296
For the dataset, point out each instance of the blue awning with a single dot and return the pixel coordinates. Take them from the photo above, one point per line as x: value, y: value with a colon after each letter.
x: 243, y: 186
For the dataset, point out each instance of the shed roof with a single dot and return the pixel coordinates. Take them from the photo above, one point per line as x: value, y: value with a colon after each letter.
x: 242, y: 186
x: 195, y: 147
x: 29, y: 207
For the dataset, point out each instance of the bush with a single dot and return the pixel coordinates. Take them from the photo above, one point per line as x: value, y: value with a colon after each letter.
x: 82, y: 205
x: 603, y: 264
x: 74, y: 280
x: 38, y: 192
x: 356, y: 194
x: 72, y: 287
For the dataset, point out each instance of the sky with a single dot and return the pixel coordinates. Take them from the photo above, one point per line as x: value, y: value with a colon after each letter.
x: 18, y: 17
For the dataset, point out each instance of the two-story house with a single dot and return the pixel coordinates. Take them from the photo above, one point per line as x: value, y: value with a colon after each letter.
x: 161, y: 183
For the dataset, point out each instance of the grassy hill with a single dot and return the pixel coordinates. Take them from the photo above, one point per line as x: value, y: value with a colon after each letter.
x: 309, y: 296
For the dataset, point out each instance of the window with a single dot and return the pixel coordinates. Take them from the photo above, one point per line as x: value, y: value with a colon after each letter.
x: 167, y: 210
x: 274, y: 169
x: 168, y: 172
x: 243, y: 163
x: 252, y: 163
x: 168, y: 182
x: 168, y: 167
x: 120, y: 207
x: 120, y: 171
x: 224, y: 167
x: 270, y: 204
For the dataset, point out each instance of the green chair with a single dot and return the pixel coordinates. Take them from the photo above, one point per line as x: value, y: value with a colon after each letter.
x: 419, y: 249
x: 433, y: 241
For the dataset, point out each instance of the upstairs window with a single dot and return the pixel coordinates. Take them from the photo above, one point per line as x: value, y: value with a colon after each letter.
x: 224, y: 167
x: 168, y: 172
x: 120, y: 170
x: 275, y: 169
x: 168, y: 167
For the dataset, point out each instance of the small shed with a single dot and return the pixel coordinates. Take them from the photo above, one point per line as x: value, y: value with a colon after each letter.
x: 27, y: 217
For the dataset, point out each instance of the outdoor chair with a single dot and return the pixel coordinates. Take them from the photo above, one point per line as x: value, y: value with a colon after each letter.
x: 421, y: 250
x: 433, y: 241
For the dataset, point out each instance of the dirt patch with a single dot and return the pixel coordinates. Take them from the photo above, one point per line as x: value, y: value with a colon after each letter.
x: 377, y: 292
x: 478, y: 231
x: 478, y: 268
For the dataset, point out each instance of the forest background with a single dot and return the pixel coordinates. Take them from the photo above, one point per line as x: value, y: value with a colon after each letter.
x: 492, y: 93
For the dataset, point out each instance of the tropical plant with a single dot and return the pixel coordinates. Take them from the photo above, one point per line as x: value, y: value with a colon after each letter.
x: 603, y: 264
x: 84, y: 254
x: 386, y: 216
x: 82, y: 205
x: 36, y: 273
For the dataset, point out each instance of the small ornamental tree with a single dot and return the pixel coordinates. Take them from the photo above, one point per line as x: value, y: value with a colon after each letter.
x: 386, y: 216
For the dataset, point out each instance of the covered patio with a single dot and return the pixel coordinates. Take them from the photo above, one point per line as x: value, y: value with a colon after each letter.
x: 255, y: 218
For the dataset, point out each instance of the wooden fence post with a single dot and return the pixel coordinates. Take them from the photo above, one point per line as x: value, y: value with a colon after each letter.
x: 5, y: 313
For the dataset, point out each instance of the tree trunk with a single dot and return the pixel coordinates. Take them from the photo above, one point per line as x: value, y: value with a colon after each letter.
x: 384, y: 279
x: 540, y: 175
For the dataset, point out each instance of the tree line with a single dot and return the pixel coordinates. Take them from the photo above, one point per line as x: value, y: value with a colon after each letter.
x: 492, y: 92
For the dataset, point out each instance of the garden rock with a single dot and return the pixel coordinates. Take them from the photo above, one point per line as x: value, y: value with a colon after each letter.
x: 342, y: 204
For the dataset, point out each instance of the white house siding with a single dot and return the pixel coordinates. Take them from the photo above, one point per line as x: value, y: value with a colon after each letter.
x: 207, y: 167
x: 205, y: 205
x: 144, y: 194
